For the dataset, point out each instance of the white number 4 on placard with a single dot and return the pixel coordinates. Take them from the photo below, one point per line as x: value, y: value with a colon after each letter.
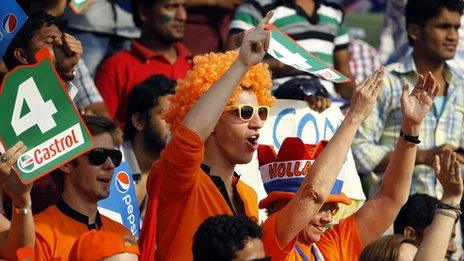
x: 40, y: 112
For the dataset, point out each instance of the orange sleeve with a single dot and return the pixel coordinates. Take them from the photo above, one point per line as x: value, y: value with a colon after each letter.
x: 179, y: 163
x: 42, y: 247
x: 272, y: 247
x: 342, y: 241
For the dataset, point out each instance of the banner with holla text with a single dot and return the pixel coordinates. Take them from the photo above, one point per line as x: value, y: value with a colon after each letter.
x: 290, y: 118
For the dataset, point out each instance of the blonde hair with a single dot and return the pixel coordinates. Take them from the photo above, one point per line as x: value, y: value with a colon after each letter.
x: 207, y: 70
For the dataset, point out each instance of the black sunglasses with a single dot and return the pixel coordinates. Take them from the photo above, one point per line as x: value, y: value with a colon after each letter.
x: 98, y: 156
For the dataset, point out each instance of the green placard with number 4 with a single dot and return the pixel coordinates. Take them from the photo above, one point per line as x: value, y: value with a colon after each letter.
x: 37, y: 110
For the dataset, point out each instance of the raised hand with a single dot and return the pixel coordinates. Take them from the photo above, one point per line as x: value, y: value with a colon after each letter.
x: 9, y: 158
x: 365, y: 95
x: 20, y: 194
x: 67, y: 51
x: 448, y: 172
x: 416, y: 105
x: 255, y: 43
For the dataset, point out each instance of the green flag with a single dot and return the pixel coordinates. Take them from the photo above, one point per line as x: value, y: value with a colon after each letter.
x: 37, y: 110
x: 287, y: 51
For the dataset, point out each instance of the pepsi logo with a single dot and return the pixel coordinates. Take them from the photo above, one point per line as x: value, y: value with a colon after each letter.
x: 9, y: 23
x: 122, y: 182
x: 26, y: 163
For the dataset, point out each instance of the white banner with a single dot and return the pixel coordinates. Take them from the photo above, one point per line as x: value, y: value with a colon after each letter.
x: 289, y: 118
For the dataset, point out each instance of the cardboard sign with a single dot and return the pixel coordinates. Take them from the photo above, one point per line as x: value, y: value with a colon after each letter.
x: 287, y: 51
x: 37, y: 110
x: 78, y: 6
x: 122, y: 205
x: 12, y: 18
x: 289, y: 118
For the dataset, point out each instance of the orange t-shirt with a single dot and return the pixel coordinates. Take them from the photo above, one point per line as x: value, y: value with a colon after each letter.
x: 187, y: 196
x: 56, y: 233
x: 341, y: 242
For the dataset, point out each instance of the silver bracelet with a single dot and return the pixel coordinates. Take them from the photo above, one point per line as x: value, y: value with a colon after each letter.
x: 443, y: 212
x: 22, y: 211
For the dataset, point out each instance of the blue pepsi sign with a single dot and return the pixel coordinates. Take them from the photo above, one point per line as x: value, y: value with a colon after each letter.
x: 12, y: 19
x: 122, y: 205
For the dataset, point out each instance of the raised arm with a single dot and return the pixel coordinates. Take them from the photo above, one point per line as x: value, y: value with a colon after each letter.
x: 204, y: 115
x: 20, y: 232
x: 435, y: 242
x: 380, y: 212
x: 318, y: 182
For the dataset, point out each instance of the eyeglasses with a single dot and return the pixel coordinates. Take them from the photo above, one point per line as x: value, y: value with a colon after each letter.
x: 98, y: 156
x: 246, y: 112
x: 332, y: 208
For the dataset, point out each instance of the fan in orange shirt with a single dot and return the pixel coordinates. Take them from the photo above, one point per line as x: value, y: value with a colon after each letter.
x: 301, y: 203
x: 215, y: 117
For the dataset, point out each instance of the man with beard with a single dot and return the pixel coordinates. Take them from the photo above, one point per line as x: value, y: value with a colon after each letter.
x: 157, y: 51
x: 145, y: 132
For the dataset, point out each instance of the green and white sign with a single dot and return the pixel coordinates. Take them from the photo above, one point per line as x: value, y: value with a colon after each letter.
x: 37, y: 110
x: 78, y: 6
x: 287, y: 51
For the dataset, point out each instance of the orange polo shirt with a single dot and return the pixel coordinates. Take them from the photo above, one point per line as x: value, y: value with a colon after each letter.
x: 187, y: 196
x: 340, y: 242
x: 59, y: 226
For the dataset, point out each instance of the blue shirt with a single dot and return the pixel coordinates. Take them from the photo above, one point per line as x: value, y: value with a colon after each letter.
x: 379, y: 132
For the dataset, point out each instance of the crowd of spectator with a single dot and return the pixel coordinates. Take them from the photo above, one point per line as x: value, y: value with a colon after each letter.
x: 180, y: 89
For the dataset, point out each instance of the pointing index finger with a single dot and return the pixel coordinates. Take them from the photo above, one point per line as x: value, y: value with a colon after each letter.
x: 265, y: 20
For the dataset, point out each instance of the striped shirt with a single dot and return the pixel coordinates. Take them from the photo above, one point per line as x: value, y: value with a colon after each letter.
x: 379, y: 132
x: 322, y: 34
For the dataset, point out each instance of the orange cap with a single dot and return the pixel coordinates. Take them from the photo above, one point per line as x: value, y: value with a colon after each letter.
x: 97, y: 244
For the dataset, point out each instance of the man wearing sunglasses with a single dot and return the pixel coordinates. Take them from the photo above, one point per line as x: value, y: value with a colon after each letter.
x: 82, y: 182
x: 214, y: 117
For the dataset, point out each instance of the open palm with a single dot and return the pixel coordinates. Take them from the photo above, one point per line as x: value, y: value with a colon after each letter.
x: 417, y: 104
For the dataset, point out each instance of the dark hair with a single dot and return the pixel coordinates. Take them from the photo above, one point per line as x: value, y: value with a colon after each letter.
x: 300, y: 88
x: 419, y: 12
x: 134, y: 7
x: 34, y: 22
x: 385, y: 248
x: 96, y: 125
x: 145, y: 96
x: 417, y: 213
x: 220, y: 237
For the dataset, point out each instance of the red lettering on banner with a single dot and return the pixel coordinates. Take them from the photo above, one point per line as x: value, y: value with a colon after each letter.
x: 289, y: 169
x: 56, y: 147
x: 306, y: 168
x: 273, y: 170
x: 37, y: 158
x: 281, y: 170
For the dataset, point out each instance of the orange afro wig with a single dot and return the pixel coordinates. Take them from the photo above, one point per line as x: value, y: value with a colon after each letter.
x: 207, y: 70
